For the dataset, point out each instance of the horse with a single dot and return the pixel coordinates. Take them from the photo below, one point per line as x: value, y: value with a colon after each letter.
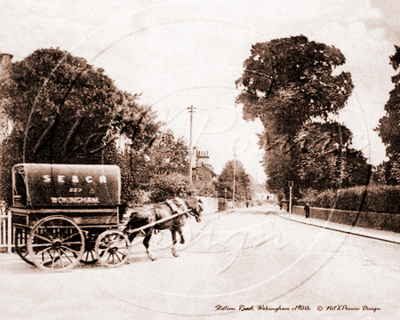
x: 150, y: 214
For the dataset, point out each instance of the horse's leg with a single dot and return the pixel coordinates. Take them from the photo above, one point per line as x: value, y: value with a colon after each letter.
x: 181, y: 235
x: 173, y: 249
x: 146, y: 243
x: 132, y: 236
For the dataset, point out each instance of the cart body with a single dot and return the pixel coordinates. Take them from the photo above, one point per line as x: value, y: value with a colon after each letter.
x: 59, y: 212
x: 89, y: 194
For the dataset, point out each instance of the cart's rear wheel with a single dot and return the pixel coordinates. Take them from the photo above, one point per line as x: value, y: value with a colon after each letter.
x: 112, y: 248
x: 20, y: 242
x: 56, y: 243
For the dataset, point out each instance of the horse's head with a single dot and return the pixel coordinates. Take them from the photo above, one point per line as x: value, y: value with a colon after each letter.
x: 196, y: 206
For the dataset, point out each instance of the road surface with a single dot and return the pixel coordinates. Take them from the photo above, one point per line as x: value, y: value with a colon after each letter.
x: 242, y: 259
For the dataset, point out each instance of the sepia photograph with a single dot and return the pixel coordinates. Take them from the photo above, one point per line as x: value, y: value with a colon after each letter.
x: 225, y: 159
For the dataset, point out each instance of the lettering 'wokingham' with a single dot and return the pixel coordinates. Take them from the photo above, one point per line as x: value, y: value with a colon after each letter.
x: 75, y: 200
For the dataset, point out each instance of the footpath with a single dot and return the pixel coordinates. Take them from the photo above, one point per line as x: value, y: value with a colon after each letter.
x: 357, y: 231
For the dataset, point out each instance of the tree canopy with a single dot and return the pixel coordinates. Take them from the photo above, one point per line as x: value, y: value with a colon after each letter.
x: 168, y: 154
x: 287, y: 83
x: 242, y: 181
x: 64, y: 110
x: 325, y: 158
x: 67, y: 110
x: 388, y: 128
x: 170, y: 186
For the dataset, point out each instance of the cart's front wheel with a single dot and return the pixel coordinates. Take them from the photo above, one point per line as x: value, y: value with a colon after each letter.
x: 56, y: 243
x: 112, y: 248
x: 89, y: 255
x: 20, y: 241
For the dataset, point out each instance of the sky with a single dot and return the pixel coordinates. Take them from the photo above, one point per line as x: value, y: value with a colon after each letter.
x: 178, y: 54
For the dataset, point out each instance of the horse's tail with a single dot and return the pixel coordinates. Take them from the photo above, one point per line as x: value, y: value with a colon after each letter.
x: 123, y: 212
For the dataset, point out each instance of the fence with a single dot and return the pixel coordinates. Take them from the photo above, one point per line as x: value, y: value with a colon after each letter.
x: 5, y: 230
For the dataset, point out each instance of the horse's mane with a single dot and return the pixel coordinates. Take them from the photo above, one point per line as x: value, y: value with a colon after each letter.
x: 191, y: 202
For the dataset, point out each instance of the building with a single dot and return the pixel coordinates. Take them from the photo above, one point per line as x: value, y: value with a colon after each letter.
x: 264, y: 196
x: 259, y: 193
x: 202, y: 170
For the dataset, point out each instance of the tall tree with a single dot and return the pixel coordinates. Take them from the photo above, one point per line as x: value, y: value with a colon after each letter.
x: 286, y: 83
x: 242, y: 181
x: 66, y: 108
x: 325, y: 158
x: 389, y: 125
x: 66, y: 111
x: 164, y: 156
x: 168, y: 154
x: 379, y: 174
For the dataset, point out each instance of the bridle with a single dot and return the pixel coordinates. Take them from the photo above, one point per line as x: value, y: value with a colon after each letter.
x: 196, y: 214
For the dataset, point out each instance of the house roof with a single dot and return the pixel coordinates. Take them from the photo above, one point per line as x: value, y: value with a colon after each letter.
x: 256, y: 187
x: 207, y: 167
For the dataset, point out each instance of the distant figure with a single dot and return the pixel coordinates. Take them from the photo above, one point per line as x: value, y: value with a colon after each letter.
x: 307, y: 210
x: 280, y: 205
x: 247, y: 203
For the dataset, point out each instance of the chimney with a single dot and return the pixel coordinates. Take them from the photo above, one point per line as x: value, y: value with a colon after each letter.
x: 5, y: 64
x: 202, y: 158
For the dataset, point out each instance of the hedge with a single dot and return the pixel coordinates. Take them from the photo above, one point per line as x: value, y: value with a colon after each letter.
x: 377, y: 199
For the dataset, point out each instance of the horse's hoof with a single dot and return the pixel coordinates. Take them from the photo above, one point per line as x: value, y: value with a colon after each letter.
x: 150, y: 256
x: 175, y: 253
x: 182, y: 241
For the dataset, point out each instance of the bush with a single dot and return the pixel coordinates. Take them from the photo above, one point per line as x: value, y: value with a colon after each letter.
x: 163, y: 187
x: 204, y: 189
x: 378, y: 198
x: 138, y: 198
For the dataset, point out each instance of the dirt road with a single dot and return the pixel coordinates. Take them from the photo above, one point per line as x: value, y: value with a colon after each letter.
x: 243, y: 259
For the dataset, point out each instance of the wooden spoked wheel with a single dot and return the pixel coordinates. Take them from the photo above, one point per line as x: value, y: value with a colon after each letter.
x: 112, y: 248
x: 89, y: 255
x: 56, y: 243
x: 20, y: 242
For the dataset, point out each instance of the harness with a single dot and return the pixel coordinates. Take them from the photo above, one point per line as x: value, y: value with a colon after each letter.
x: 178, y: 207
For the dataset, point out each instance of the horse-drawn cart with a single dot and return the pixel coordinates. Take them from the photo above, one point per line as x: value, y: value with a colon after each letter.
x: 64, y: 214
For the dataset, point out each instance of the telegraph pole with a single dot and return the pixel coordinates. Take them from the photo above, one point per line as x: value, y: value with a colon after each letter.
x: 290, y: 196
x: 234, y: 174
x: 191, y: 111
